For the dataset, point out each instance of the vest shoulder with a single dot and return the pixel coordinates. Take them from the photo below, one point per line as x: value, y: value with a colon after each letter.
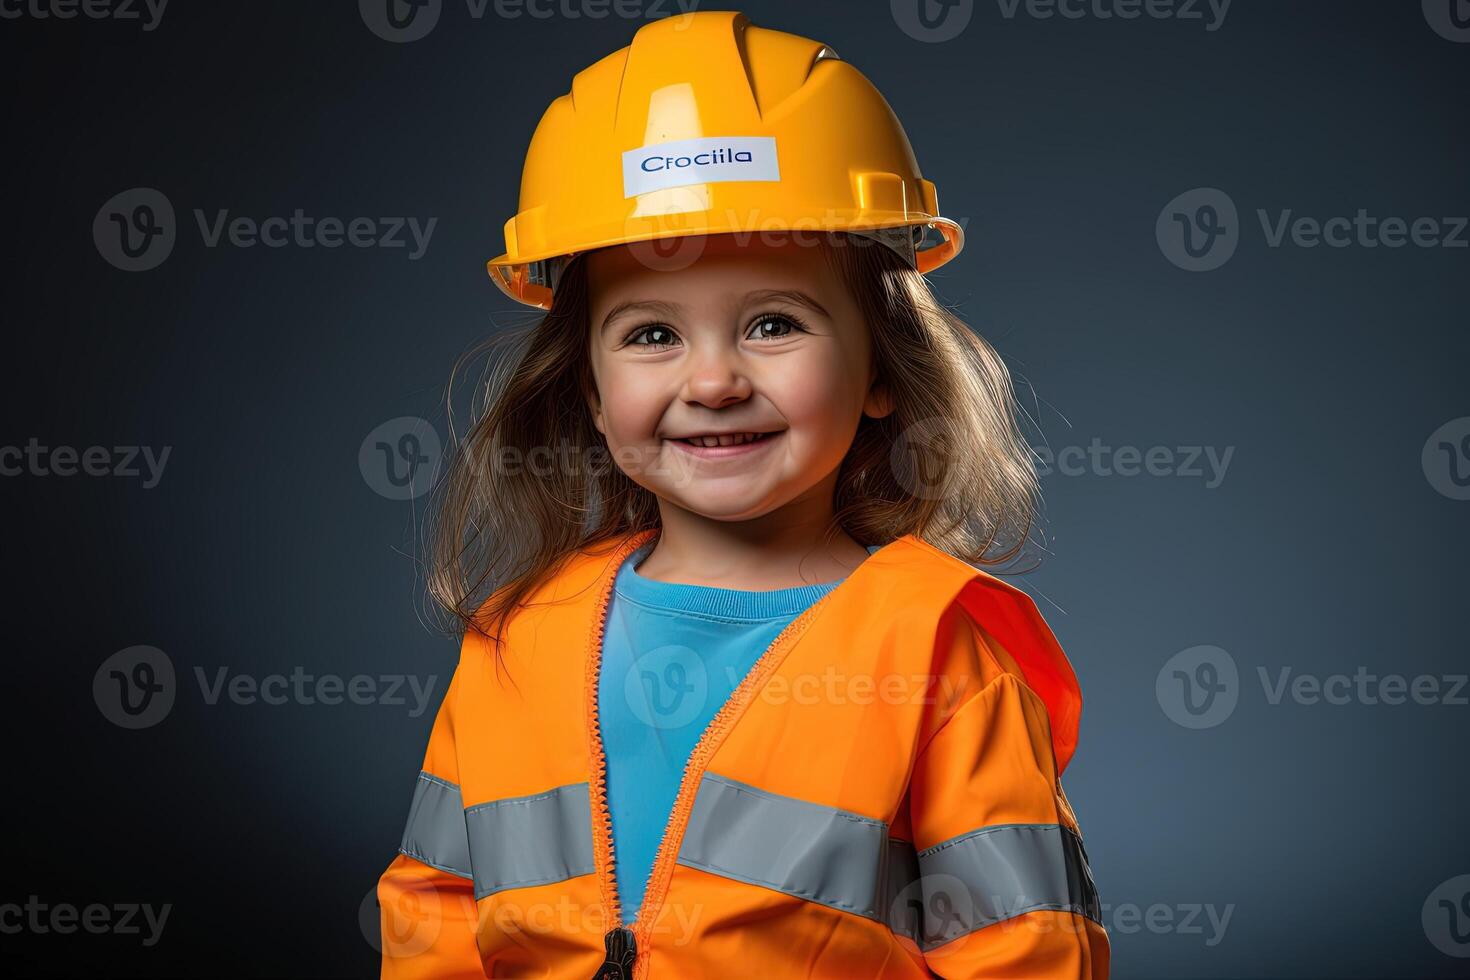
x: 938, y: 575
x: 1027, y: 647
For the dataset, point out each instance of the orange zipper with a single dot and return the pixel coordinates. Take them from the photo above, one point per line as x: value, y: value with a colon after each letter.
x: 602, y: 853
x: 714, y: 734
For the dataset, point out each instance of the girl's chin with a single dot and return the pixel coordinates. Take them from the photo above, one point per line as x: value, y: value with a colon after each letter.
x: 717, y: 507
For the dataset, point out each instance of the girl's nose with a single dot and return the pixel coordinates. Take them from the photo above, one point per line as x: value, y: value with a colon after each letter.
x: 716, y: 378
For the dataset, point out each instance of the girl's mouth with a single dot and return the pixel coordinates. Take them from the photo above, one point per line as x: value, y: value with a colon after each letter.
x: 708, y: 447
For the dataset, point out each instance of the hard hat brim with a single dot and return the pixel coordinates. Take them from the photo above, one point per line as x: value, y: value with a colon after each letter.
x: 512, y: 272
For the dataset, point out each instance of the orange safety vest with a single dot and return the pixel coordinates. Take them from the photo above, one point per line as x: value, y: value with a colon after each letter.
x: 879, y: 798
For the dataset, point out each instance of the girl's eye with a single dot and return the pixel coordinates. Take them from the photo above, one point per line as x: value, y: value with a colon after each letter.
x: 658, y: 334
x: 769, y: 326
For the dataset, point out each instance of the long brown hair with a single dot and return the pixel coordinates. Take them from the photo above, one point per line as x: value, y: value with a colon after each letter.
x: 948, y: 464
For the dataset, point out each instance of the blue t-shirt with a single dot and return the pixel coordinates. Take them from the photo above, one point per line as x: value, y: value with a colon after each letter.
x: 671, y: 656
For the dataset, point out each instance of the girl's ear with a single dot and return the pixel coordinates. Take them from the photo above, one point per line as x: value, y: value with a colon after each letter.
x: 594, y: 405
x: 879, y: 402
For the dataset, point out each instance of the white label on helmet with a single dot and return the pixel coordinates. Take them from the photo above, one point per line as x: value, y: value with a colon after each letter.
x: 699, y: 161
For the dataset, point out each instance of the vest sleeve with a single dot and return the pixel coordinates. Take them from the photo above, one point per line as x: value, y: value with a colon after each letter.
x: 426, y: 894
x: 1005, y: 887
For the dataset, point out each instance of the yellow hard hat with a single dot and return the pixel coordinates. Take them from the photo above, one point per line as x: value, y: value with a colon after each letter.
x: 707, y: 125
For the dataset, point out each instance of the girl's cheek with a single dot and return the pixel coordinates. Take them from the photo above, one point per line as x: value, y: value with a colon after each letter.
x: 632, y: 413
x: 814, y: 394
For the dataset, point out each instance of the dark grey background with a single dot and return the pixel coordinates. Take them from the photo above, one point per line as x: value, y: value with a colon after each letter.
x: 1323, y: 829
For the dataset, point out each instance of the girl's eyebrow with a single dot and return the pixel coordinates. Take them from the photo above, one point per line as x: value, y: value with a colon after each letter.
x: 655, y: 305
x: 790, y: 295
x: 664, y: 308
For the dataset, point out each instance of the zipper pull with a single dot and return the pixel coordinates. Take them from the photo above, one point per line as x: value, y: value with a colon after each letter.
x: 622, y: 952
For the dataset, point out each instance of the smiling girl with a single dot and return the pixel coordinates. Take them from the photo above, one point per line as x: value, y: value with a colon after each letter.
x: 735, y: 697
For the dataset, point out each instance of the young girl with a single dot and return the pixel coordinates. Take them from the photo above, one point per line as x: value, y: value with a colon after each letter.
x: 734, y: 698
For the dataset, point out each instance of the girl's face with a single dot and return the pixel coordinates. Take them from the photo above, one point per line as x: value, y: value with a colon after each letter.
x: 748, y: 338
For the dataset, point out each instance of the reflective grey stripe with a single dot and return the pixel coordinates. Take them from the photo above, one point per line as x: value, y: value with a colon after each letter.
x: 847, y: 861
x: 435, y: 832
x: 815, y: 852
x: 995, y: 873
x: 531, y: 840
x: 903, y: 897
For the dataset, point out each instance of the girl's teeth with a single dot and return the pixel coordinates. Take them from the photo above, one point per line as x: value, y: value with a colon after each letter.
x: 722, y: 440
